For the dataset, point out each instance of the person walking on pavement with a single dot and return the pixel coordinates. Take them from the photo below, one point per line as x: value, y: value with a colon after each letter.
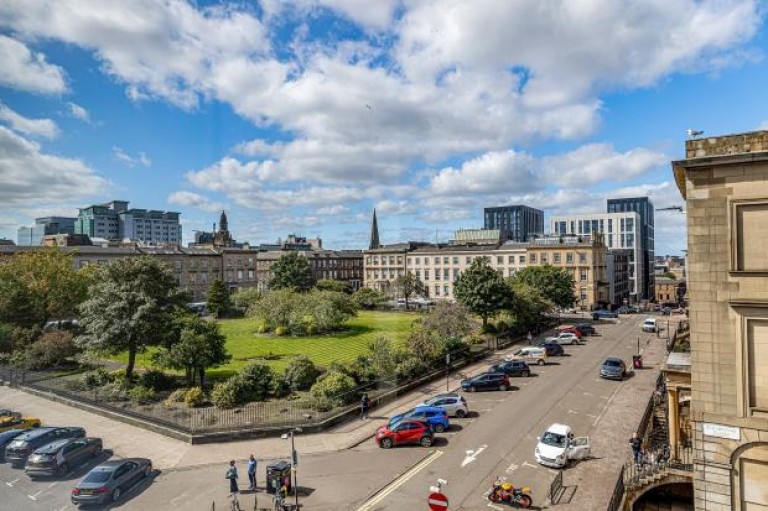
x: 252, y: 472
x: 234, y: 490
x: 364, y: 405
x: 637, y: 447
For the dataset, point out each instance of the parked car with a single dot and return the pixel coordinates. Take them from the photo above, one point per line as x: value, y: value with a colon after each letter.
x: 435, y: 417
x: 666, y: 311
x: 656, y: 307
x: 56, y: 458
x: 486, y: 381
x: 564, y: 338
x: 5, y: 438
x: 404, y: 432
x: 25, y: 444
x: 553, y: 349
x: 511, y: 368
x: 454, y: 404
x: 570, y: 328
x: 650, y: 325
x: 18, y: 423
x: 107, y: 482
x: 557, y: 446
x: 5, y: 413
x: 613, y: 368
x: 585, y: 329
x: 625, y: 310
x: 531, y: 354
x: 604, y: 314
x: 567, y: 310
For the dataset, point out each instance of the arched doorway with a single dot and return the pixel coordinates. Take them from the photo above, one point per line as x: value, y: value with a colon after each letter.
x: 749, y: 476
x: 666, y: 497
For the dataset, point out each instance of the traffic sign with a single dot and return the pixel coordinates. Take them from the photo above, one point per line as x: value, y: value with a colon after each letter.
x: 437, y: 502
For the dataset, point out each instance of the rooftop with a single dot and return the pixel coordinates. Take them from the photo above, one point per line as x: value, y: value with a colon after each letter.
x: 679, y: 362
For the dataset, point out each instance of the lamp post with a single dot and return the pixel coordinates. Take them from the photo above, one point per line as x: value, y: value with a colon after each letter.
x: 294, y: 463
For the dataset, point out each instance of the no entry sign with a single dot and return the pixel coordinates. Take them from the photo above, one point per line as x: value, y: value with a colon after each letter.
x: 437, y: 502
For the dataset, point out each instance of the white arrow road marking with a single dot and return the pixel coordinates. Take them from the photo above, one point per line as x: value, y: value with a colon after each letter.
x: 11, y: 483
x: 472, y: 455
x: 512, y: 468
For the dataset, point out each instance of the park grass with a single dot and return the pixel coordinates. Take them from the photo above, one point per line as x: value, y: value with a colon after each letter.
x: 245, y: 344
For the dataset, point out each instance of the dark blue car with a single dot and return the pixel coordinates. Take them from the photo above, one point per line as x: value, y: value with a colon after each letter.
x: 5, y: 439
x: 435, y: 416
x: 604, y: 314
x: 554, y: 349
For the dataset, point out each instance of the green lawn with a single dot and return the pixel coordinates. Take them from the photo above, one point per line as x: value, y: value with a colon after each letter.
x: 244, y: 344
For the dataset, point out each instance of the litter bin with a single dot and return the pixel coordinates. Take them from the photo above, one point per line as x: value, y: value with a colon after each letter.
x: 637, y: 361
x: 278, y: 475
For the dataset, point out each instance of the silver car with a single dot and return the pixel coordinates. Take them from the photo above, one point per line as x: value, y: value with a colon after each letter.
x: 454, y: 404
x: 109, y: 481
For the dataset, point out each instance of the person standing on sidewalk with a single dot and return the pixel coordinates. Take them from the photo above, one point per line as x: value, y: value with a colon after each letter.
x: 252, y: 472
x: 234, y: 490
x: 364, y: 405
x: 637, y: 447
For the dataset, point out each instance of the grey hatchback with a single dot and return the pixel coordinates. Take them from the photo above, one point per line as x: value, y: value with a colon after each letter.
x: 108, y: 481
x: 17, y: 452
x: 55, y: 459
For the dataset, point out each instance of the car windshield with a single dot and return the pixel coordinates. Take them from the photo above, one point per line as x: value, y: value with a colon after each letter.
x: 612, y: 363
x: 553, y: 439
x: 97, y: 476
x: 18, y: 443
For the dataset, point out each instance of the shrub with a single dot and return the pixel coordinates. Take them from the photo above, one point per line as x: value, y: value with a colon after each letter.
x: 335, y: 386
x: 410, y: 368
x: 177, y: 396
x: 301, y: 373
x: 96, y: 378
x: 156, y: 380
x: 253, y: 382
x: 112, y: 391
x: 6, y: 338
x: 320, y: 403
x: 281, y: 331
x: 280, y: 388
x: 53, y: 348
x: 194, y: 397
x: 140, y: 393
x: 224, y: 395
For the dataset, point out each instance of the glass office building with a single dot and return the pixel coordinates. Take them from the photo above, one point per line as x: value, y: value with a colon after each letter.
x: 643, y: 207
x: 516, y: 223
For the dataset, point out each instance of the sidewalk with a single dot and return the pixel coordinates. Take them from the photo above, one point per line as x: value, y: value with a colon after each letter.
x: 170, y: 454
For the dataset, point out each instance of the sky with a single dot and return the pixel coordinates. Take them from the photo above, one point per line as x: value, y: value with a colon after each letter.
x: 301, y: 116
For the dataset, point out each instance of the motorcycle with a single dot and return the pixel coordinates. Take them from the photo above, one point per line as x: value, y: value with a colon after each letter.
x: 504, y: 492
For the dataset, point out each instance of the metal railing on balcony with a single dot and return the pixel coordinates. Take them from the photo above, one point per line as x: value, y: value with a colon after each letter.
x: 652, y: 465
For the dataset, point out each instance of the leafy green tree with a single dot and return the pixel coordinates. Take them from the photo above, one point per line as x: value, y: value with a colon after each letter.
x: 408, y: 285
x: 219, y: 300
x: 424, y: 345
x: 253, y: 382
x: 482, y: 290
x: 555, y: 284
x: 368, y: 298
x: 447, y: 320
x: 130, y: 306
x: 245, y: 298
x: 333, y: 285
x: 383, y: 356
x: 335, y: 386
x: 301, y: 373
x: 669, y: 275
x: 291, y: 271
x: 201, y: 345
x: 528, y: 306
x: 40, y: 285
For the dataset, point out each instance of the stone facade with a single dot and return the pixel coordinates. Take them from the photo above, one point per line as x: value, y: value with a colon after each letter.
x: 725, y: 183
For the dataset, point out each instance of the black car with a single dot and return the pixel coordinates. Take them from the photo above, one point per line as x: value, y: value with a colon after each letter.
x: 5, y: 438
x: 585, y: 329
x: 25, y: 444
x: 511, y: 368
x: 486, y: 381
x: 107, y: 482
x: 5, y: 412
x: 554, y: 349
x: 58, y: 457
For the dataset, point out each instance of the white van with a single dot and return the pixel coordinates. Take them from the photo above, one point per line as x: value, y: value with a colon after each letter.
x: 649, y: 325
x: 531, y: 354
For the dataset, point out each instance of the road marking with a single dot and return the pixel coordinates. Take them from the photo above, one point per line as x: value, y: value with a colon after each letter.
x: 52, y: 485
x: 494, y: 506
x: 34, y: 497
x: 587, y: 394
x: 607, y: 403
x: 591, y: 416
x: 472, y: 455
x: 397, y: 483
x: 512, y: 468
x: 11, y: 483
x: 487, y: 410
x: 572, y: 411
x: 526, y: 464
x: 62, y: 509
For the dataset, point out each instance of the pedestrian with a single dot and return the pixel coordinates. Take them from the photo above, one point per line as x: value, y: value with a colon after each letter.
x: 364, y: 405
x: 233, y: 488
x: 637, y: 447
x: 252, y: 472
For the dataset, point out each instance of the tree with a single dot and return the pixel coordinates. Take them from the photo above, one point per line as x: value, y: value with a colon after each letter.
x: 333, y: 285
x: 669, y: 275
x: 482, y: 290
x: 131, y: 306
x: 201, y: 345
x: 40, y: 285
x: 291, y: 271
x: 555, y: 284
x: 301, y: 373
x: 368, y: 298
x: 448, y: 320
x: 382, y: 356
x: 408, y: 285
x: 219, y: 301
x: 528, y: 306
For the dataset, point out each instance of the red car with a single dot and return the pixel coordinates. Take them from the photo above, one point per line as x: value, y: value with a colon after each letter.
x: 404, y: 432
x: 573, y: 330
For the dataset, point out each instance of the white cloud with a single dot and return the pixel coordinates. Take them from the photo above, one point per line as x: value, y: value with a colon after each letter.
x: 598, y: 163
x: 140, y: 159
x: 194, y: 200
x: 45, y: 128
x: 25, y: 70
x: 336, y: 210
x: 32, y: 177
x: 78, y: 112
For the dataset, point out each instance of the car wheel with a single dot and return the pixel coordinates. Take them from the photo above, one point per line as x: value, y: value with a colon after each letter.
x: 526, y: 374
x: 385, y: 443
x: 461, y: 414
x: 439, y: 428
x: 425, y: 441
x: 503, y: 387
x: 472, y: 389
x: 116, y: 495
x: 541, y: 362
x: 97, y: 452
x: 148, y: 470
x: 63, y: 469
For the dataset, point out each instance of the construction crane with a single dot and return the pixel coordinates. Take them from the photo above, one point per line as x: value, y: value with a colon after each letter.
x: 672, y: 208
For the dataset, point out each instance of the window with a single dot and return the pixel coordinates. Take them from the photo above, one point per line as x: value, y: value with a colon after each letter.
x: 437, y: 274
x: 582, y: 257
x: 418, y: 261
x: 250, y: 274
x: 521, y: 259
x: 583, y: 275
x: 455, y: 259
x: 533, y: 258
x: 391, y: 259
x: 511, y: 259
x: 469, y: 259
x: 569, y: 257
x: 437, y: 260
x: 556, y: 258
x: 376, y: 259
x: 610, y: 225
x: 749, y: 222
x: 437, y: 289
x: 630, y: 224
x: 418, y: 274
x: 499, y: 259
x: 446, y: 274
x: 426, y: 274
x: 622, y: 225
x: 630, y: 240
x: 456, y: 273
x: 544, y: 258
x: 445, y: 291
x: 399, y: 259
x: 446, y: 259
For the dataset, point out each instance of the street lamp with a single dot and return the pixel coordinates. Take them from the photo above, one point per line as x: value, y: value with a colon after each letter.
x: 294, y: 462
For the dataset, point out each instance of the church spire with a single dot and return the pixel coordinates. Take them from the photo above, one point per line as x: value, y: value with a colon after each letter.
x: 374, y: 233
x: 223, y: 221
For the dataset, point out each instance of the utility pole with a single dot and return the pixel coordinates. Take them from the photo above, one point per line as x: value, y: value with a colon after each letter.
x: 447, y: 371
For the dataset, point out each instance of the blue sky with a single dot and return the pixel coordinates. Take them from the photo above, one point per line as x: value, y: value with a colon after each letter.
x: 302, y: 116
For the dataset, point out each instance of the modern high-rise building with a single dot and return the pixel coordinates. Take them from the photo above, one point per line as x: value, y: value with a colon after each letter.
x: 516, y: 223
x: 621, y: 232
x: 114, y: 221
x: 44, y: 227
x: 643, y: 207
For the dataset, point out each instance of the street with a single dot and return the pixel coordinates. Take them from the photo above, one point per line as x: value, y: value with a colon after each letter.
x: 496, y: 439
